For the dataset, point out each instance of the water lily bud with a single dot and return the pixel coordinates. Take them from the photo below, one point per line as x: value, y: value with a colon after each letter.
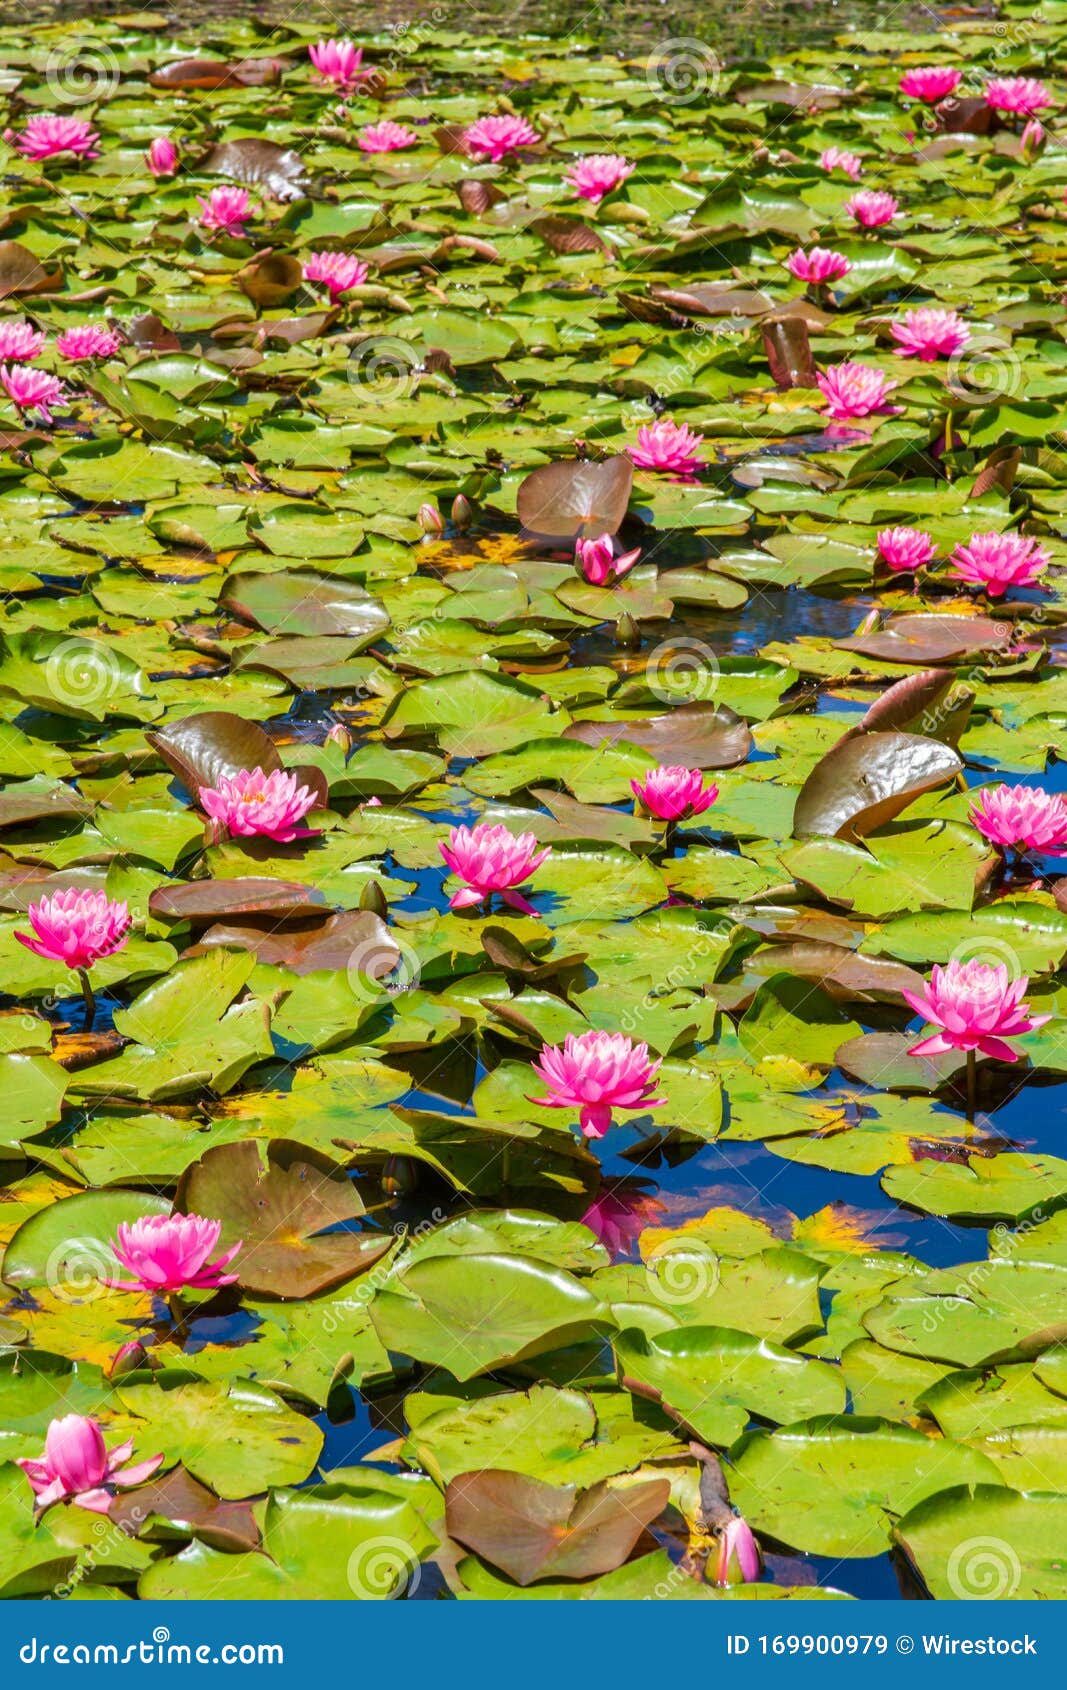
x: 126, y: 1360
x: 339, y: 735
x: 431, y: 521
x: 373, y: 898
x: 738, y: 1560
x: 626, y: 630
x: 462, y: 513
x: 400, y: 1176
x: 1033, y: 139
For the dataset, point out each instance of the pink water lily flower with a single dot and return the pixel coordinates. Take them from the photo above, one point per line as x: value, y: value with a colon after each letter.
x: 1021, y: 818
x: 619, y: 1217
x: 668, y: 447
x: 819, y: 265
x: 931, y: 83
x: 837, y: 158
x: 225, y: 209
x: 48, y: 137
x: 494, y: 138
x: 737, y: 1559
x: 32, y: 390
x: 337, y: 271
x: 674, y: 792
x: 598, y: 174
x: 871, y: 210
x: 975, y: 1006
x: 854, y: 390
x: 999, y: 561
x: 906, y: 549
x: 492, y: 859
x: 165, y: 1254
x: 597, y: 561
x: 596, y: 1073
x: 19, y: 340
x: 339, y: 63
x: 1022, y: 96
x: 250, y: 803
x: 76, y: 927
x: 77, y: 1466
x: 930, y: 332
x: 162, y: 156
x: 386, y: 137
x: 92, y: 340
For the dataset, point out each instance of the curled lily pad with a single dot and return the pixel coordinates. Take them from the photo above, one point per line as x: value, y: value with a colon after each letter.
x: 864, y: 782
x: 563, y: 502
x: 202, y: 749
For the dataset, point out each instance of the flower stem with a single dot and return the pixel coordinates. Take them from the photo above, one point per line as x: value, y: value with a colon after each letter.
x: 972, y: 1084
x: 178, y: 1315
x: 90, y: 1000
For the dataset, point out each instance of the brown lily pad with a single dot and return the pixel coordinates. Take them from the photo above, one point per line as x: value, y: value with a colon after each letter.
x: 568, y: 234
x: 216, y: 73
x: 789, y: 355
x: 567, y: 501
x: 930, y: 702
x: 346, y: 940
x: 938, y: 637
x: 270, y: 278
x: 22, y: 272
x: 251, y: 897
x: 273, y: 169
x: 17, y: 809
x: 701, y: 736
x: 279, y: 1204
x: 864, y: 782
x: 845, y: 975
x: 532, y: 1530
x: 23, y: 886
x: 201, y: 749
x: 714, y: 299
x: 179, y: 1506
